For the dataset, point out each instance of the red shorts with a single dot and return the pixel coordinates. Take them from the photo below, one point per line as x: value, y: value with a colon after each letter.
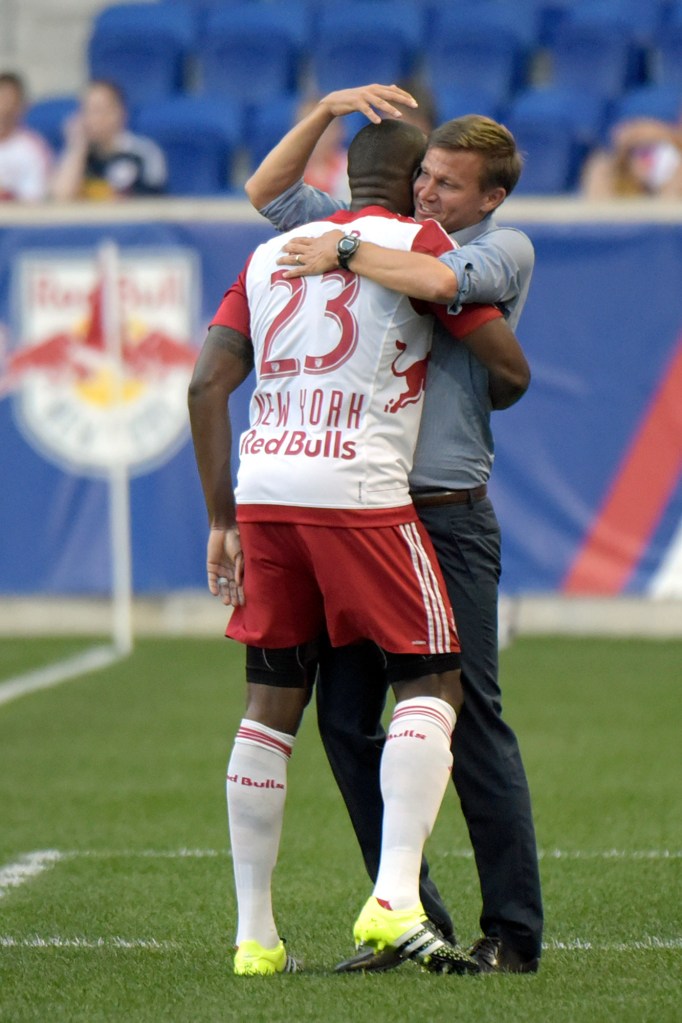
x: 381, y: 583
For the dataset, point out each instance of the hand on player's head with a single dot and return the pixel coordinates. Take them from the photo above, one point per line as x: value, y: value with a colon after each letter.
x: 374, y: 101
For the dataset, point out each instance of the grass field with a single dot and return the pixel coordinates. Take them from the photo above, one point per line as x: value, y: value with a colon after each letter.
x: 116, y: 898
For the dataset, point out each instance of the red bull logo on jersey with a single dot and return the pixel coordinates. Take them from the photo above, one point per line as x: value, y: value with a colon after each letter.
x: 413, y: 379
x: 330, y: 444
x: 99, y: 369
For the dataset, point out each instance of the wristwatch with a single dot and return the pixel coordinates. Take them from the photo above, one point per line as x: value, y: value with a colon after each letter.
x: 346, y: 248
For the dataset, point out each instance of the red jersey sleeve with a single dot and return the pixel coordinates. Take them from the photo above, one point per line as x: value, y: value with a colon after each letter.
x: 467, y: 319
x: 233, y: 311
x: 433, y: 241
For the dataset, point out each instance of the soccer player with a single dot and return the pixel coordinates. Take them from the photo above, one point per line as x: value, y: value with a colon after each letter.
x: 471, y: 165
x: 327, y: 537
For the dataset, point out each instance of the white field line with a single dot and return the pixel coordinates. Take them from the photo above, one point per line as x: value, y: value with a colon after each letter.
x: 61, y: 671
x: 458, y: 854
x: 30, y: 865
x: 585, y: 854
x: 152, y: 854
x: 648, y: 944
x: 26, y: 868
x: 149, y: 944
x: 612, y: 854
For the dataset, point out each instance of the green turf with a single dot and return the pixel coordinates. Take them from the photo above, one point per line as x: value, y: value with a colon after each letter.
x: 122, y: 770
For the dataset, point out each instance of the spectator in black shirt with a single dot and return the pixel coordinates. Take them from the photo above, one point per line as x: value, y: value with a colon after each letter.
x: 102, y: 159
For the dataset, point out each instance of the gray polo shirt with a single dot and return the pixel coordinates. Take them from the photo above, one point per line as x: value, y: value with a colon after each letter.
x: 455, y: 449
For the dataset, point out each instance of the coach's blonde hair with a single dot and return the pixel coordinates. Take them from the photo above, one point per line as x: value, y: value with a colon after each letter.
x: 502, y: 162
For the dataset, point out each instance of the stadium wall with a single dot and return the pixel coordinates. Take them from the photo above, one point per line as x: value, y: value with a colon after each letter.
x: 587, y: 480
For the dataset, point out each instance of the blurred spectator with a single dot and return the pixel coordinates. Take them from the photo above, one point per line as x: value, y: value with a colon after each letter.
x: 425, y: 115
x: 25, y: 157
x: 327, y: 167
x: 644, y: 159
x: 102, y: 159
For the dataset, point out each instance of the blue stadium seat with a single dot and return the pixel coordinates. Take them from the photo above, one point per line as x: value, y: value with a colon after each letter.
x: 667, y: 50
x: 582, y: 114
x: 642, y: 19
x: 599, y: 57
x: 265, y: 125
x: 662, y: 102
x: 551, y: 15
x: 459, y: 100
x: 199, y: 137
x: 48, y: 117
x: 358, y: 42
x: 141, y: 49
x: 520, y: 17
x: 253, y: 51
x: 552, y: 154
x: 485, y: 46
x: 673, y: 13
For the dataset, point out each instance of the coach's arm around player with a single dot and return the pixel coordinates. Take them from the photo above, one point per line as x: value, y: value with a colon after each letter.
x: 425, y: 278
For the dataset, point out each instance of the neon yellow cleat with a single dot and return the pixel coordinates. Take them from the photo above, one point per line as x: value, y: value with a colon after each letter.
x: 411, y: 934
x: 252, y: 960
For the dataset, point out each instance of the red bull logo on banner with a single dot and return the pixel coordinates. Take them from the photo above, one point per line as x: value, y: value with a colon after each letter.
x: 99, y: 369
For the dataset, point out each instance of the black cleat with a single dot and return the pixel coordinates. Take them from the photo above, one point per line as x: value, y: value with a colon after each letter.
x: 368, y: 960
x: 386, y: 937
x: 493, y: 956
x: 444, y: 959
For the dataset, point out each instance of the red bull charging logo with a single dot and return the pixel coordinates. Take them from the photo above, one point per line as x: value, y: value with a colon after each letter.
x: 413, y: 378
x: 83, y: 401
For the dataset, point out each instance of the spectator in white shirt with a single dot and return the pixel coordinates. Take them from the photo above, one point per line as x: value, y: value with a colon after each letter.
x: 25, y: 157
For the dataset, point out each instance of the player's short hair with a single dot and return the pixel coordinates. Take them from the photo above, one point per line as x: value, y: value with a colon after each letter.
x: 502, y: 162
x: 385, y: 150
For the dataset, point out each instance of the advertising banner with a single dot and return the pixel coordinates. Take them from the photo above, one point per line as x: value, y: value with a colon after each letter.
x: 587, y: 477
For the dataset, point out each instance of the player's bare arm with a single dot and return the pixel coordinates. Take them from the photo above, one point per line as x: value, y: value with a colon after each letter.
x: 285, y: 164
x: 410, y: 273
x: 496, y: 346
x: 225, y: 361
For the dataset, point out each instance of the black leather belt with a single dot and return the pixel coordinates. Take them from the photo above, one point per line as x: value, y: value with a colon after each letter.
x: 434, y: 498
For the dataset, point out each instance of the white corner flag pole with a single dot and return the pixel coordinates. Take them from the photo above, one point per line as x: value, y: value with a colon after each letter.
x: 99, y: 657
x: 119, y: 484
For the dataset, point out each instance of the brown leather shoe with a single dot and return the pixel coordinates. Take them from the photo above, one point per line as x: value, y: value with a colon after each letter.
x: 493, y: 956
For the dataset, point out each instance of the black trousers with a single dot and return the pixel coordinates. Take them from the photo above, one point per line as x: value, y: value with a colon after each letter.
x: 488, y: 771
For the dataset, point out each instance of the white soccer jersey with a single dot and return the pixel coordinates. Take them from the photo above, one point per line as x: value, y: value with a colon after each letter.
x: 340, y: 364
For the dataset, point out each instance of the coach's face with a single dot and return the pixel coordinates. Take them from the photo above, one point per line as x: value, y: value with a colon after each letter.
x: 447, y: 189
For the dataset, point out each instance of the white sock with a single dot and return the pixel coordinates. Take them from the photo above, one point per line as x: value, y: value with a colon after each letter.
x: 415, y: 768
x: 256, y: 791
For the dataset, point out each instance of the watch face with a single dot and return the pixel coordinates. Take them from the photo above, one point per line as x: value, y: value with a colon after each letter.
x: 346, y: 247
